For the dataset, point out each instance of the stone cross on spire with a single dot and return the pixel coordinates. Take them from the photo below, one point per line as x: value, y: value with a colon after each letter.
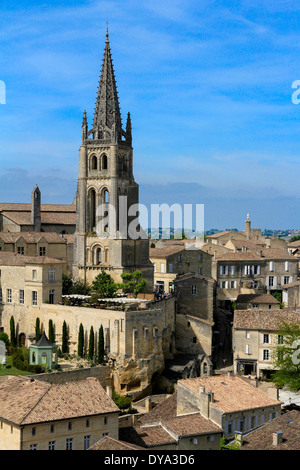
x: 107, y: 123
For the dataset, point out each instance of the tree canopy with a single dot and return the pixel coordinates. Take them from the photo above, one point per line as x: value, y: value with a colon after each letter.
x: 287, y: 357
x: 133, y: 283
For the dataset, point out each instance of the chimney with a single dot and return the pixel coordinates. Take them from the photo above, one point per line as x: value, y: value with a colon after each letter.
x: 148, y: 404
x: 238, y: 437
x: 277, y: 438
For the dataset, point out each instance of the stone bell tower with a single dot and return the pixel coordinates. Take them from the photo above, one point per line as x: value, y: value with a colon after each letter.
x: 106, y: 189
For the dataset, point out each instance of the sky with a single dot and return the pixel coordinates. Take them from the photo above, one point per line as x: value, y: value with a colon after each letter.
x: 208, y: 85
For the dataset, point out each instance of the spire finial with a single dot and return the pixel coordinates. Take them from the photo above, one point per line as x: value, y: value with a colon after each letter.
x: 107, y: 35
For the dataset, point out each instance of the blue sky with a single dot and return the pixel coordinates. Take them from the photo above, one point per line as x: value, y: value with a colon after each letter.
x: 208, y: 85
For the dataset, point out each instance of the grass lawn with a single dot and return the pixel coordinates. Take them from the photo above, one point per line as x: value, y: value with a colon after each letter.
x: 12, y: 370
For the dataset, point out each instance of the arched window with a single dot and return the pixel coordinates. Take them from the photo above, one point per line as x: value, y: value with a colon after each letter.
x: 104, y: 162
x: 93, y: 208
x: 98, y: 256
x: 106, y: 196
x: 94, y: 163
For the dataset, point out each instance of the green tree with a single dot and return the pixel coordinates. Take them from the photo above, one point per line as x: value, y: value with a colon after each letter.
x: 67, y: 284
x: 4, y: 337
x: 65, y: 339
x: 286, y: 357
x: 80, y: 341
x: 13, y: 338
x: 37, y: 329
x: 133, y: 283
x: 101, y: 345
x: 122, y: 402
x: 51, y: 334
x: 104, y: 286
x: 294, y: 238
x: 91, y: 344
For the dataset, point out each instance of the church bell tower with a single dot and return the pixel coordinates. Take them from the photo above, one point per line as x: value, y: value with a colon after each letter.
x: 106, y: 189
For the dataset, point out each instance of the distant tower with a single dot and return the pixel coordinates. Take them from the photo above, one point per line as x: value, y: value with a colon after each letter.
x: 36, y: 209
x: 248, y: 227
x: 106, y: 173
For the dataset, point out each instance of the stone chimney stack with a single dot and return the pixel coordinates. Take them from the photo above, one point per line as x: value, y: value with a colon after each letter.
x: 277, y: 438
x: 36, y: 209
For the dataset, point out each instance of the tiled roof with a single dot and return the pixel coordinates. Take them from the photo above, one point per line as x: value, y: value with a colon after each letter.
x: 24, y: 218
x: 291, y: 284
x: 16, y: 207
x: 31, y: 237
x: 23, y: 401
x: 262, y: 439
x: 257, y: 298
x: 166, y: 250
x: 225, y: 232
x: 231, y: 393
x: 239, y: 256
x: 109, y: 443
x: 182, y: 277
x: 190, y: 425
x: 258, y: 319
x: 149, y: 436
x: 277, y: 253
x: 14, y: 259
x: 166, y: 409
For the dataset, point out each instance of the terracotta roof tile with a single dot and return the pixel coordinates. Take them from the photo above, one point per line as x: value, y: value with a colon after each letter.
x: 14, y: 259
x: 23, y: 401
x: 258, y: 319
x: 109, y: 443
x: 262, y: 439
x: 231, y: 393
x: 146, y: 436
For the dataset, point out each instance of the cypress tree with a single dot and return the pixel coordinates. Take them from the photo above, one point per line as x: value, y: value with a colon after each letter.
x: 37, y: 330
x: 101, y: 345
x: 51, y: 334
x: 64, y: 346
x: 91, y: 344
x: 12, y: 331
x: 80, y: 340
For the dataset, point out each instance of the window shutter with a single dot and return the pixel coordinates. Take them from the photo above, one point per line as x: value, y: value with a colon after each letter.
x: 226, y: 270
x: 258, y: 269
x: 291, y: 279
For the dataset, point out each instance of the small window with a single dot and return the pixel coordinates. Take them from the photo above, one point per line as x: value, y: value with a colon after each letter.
x: 51, y: 274
x: 34, y: 274
x: 42, y: 251
x: 105, y: 420
x: 69, y: 443
x: 51, y: 445
x: 33, y: 447
x: 87, y: 423
x: 194, y: 290
x: 69, y: 426
x: 104, y: 162
x: 21, y: 297
x: 8, y: 296
x: 21, y: 250
x: 86, y: 442
x: 51, y: 296
x: 52, y: 428
x: 34, y: 297
x: 33, y: 431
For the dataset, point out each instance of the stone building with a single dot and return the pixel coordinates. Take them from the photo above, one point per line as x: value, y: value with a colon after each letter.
x: 37, y: 217
x: 255, y: 337
x: 50, y: 244
x: 291, y: 294
x: 163, y: 428
x: 260, y: 301
x: 247, y: 272
x: 229, y: 401
x: 108, y: 235
x: 173, y: 258
x: 36, y: 415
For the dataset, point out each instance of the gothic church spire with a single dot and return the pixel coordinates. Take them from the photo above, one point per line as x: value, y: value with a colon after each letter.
x: 107, y: 123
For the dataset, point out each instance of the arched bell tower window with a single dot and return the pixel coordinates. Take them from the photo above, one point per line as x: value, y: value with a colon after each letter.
x: 93, y: 208
x: 106, y: 196
x: 98, y: 256
x: 94, y: 163
x: 104, y: 162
